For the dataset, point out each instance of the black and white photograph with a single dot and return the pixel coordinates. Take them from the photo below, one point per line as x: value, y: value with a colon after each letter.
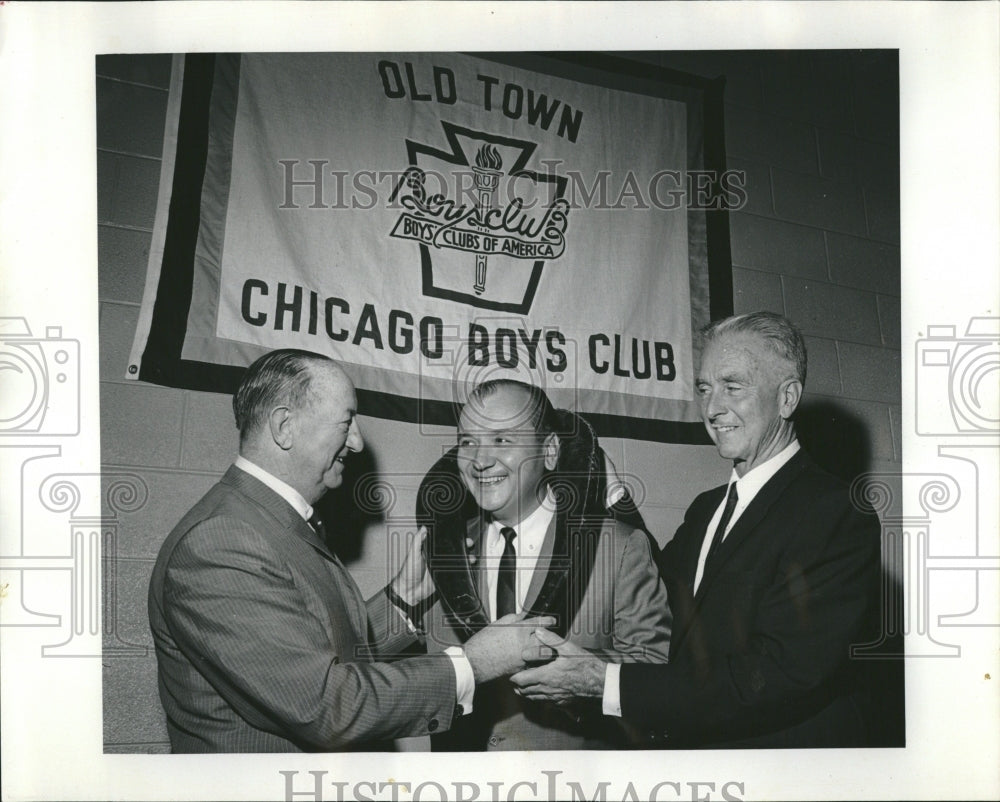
x: 462, y: 387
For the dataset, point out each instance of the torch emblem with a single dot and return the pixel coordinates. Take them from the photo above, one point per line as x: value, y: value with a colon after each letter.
x: 509, y: 217
x: 487, y: 172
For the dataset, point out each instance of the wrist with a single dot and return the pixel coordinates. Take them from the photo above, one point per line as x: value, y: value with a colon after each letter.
x: 597, y: 674
x: 415, y: 612
x: 401, y: 590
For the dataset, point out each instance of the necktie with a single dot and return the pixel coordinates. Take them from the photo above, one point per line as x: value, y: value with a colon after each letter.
x: 720, y: 530
x: 507, y: 575
x: 317, y: 524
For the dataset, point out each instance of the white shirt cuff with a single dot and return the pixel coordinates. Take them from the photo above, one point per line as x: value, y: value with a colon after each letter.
x: 465, y: 680
x: 611, y: 702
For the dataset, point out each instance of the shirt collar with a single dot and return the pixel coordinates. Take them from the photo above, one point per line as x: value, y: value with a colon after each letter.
x: 749, y: 485
x: 283, y: 489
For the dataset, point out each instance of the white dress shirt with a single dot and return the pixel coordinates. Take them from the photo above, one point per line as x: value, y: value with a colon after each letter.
x: 465, y: 681
x: 747, y: 488
x: 286, y: 491
x: 528, y: 543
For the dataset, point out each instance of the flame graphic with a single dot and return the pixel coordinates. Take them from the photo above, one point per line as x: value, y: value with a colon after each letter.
x: 489, y: 158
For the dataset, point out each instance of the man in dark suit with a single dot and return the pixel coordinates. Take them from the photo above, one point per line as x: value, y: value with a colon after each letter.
x: 771, y: 578
x: 263, y: 641
x: 535, y: 536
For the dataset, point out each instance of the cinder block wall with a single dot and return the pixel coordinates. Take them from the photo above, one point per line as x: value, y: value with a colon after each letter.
x: 816, y: 133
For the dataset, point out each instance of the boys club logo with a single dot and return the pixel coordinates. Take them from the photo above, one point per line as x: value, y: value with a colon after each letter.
x: 485, y: 225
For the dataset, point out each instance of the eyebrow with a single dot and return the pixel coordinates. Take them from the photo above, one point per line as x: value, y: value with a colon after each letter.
x: 731, y: 377
x: 496, y: 432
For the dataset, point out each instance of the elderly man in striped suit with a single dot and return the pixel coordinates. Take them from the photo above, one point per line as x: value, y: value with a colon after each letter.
x: 263, y: 640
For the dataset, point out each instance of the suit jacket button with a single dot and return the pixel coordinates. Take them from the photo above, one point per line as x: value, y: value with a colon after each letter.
x: 432, y: 725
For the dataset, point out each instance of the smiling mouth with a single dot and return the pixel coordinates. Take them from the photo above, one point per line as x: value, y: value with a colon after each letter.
x: 490, y: 481
x: 724, y: 429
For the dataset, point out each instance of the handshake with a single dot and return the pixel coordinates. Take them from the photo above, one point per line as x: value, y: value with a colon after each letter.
x: 542, y: 665
x: 508, y: 645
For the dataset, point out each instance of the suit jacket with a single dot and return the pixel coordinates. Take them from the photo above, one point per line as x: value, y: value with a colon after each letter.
x: 264, y: 643
x: 759, y: 656
x: 622, y: 614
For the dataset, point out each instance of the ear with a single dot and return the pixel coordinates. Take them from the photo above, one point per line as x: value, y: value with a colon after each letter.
x: 280, y: 422
x: 789, y: 395
x: 550, y: 450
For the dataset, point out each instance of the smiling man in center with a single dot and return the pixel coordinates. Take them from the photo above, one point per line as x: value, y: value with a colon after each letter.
x: 536, y: 535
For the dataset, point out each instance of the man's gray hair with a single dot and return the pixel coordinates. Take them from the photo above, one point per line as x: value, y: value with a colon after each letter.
x: 279, y: 378
x: 781, y: 335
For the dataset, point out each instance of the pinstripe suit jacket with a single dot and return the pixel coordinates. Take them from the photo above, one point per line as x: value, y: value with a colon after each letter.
x: 622, y: 615
x: 264, y: 643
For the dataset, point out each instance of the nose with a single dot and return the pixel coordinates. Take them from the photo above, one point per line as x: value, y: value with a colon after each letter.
x: 354, y: 440
x: 480, y: 456
x: 711, y: 404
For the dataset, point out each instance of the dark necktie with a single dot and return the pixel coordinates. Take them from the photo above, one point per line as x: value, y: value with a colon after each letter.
x: 317, y: 524
x: 507, y: 575
x: 720, y: 530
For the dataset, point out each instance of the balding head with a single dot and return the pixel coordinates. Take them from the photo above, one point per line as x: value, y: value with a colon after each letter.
x: 296, y: 414
x: 280, y: 378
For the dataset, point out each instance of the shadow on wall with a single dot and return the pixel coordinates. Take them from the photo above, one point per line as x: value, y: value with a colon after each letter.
x: 835, y: 438
x: 838, y: 440
x: 361, y: 501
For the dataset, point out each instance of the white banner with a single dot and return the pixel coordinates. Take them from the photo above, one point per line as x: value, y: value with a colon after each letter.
x: 430, y: 220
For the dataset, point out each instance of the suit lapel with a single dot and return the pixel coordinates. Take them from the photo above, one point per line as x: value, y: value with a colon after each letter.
x: 699, y: 528
x: 542, y: 565
x: 476, y: 531
x: 751, y: 517
x: 288, y: 520
x: 457, y: 570
x: 686, y: 554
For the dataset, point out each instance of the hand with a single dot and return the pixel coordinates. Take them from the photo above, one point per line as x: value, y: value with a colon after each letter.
x: 413, y: 583
x: 574, y: 672
x: 502, y: 647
